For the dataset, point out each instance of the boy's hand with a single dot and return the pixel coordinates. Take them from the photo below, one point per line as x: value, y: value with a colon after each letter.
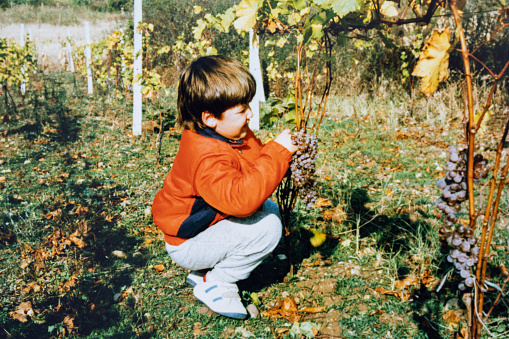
x: 285, y: 140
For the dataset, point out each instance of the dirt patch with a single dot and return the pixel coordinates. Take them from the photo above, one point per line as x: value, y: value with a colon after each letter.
x: 392, y: 320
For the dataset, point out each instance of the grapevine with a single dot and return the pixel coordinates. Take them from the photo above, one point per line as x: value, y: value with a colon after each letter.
x: 472, y: 167
x: 17, y: 63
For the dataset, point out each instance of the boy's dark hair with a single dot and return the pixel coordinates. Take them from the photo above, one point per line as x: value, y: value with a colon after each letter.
x: 215, y: 84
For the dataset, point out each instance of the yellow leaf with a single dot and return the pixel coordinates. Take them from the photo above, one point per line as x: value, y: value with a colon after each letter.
x: 255, y: 298
x: 318, y: 238
x: 246, y: 14
x: 487, y: 117
x: 388, y: 8
x: 197, y: 9
x: 434, y: 61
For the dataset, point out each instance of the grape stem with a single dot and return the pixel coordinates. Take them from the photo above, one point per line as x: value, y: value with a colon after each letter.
x: 500, y: 294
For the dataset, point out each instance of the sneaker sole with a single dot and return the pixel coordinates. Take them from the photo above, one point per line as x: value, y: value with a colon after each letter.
x: 191, y: 282
x: 226, y: 314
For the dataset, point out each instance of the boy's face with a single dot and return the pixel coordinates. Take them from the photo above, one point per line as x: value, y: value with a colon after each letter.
x: 234, y: 122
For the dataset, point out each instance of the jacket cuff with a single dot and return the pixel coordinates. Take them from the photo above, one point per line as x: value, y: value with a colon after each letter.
x: 280, y: 149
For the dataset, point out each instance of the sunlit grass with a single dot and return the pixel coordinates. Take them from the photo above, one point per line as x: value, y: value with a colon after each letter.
x: 379, y: 176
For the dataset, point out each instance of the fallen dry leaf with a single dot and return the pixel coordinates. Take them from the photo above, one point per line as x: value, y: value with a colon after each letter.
x: 321, y: 202
x: 398, y: 294
x: 75, y: 239
x: 68, y: 285
x: 69, y: 324
x: 452, y: 318
x: 23, y: 311
x: 503, y: 270
x: 336, y: 214
x: 286, y: 308
x: 206, y: 311
x: 427, y: 278
x: 81, y: 210
x: 406, y: 283
x: 32, y: 286
x: 159, y: 268
x: 197, y: 329
x: 53, y: 214
x: 462, y: 334
x: 318, y: 309
x: 25, y: 264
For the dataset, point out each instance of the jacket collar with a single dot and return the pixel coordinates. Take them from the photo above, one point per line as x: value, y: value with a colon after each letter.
x: 210, y: 133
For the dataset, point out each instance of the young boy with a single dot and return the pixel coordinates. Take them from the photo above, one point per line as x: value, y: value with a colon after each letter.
x: 213, y: 206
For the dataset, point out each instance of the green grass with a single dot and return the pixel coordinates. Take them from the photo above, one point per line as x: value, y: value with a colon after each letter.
x: 69, y: 166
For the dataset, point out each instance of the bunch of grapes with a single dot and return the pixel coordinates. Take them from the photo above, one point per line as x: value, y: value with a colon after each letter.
x: 303, y: 166
x: 464, y: 253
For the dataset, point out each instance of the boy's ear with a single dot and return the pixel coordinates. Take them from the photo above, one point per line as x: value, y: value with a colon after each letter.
x: 208, y: 119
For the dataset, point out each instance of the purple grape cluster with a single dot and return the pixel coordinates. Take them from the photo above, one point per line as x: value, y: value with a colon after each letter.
x: 303, y: 166
x: 464, y: 254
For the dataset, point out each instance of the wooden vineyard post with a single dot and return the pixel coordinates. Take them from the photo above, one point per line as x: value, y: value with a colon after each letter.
x: 137, y: 71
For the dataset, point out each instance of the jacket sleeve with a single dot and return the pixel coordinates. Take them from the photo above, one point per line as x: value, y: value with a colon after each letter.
x: 236, y: 191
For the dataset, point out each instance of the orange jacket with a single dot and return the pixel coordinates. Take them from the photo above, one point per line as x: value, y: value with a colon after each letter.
x: 213, y: 177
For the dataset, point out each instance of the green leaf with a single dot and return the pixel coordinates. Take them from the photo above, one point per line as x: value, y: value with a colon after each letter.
x: 313, y: 32
x: 290, y: 116
x: 227, y: 19
x: 199, y: 28
x: 323, y: 3
x: 246, y: 14
x: 299, y: 4
x: 344, y: 7
x: 388, y: 8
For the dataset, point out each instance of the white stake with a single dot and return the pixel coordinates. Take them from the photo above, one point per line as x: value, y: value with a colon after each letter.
x: 69, y: 51
x: 31, y: 41
x: 88, y: 55
x: 137, y: 100
x: 121, y: 43
x: 255, y: 69
x: 22, y: 44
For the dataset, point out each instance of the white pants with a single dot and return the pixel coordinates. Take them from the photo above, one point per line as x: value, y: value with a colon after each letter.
x: 232, y: 248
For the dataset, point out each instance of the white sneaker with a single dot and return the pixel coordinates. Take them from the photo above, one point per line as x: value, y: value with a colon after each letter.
x: 222, y: 298
x: 196, y: 277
